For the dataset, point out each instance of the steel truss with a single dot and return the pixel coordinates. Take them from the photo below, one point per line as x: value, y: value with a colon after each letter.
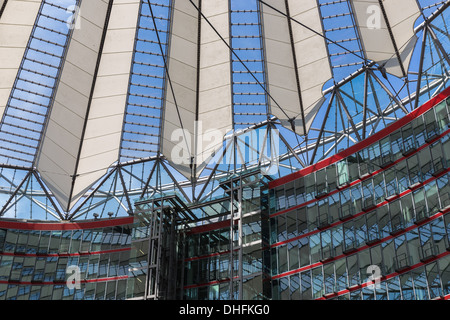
x: 357, y: 106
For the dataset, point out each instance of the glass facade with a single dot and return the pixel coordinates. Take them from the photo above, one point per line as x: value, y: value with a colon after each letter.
x: 36, y: 261
x: 380, y: 211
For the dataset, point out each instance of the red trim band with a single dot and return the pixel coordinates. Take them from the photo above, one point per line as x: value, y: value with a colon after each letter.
x: 61, y: 226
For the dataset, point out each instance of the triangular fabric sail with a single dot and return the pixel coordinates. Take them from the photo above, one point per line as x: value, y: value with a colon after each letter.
x: 386, y: 30
x: 198, y: 103
x: 82, y: 138
x: 297, y: 61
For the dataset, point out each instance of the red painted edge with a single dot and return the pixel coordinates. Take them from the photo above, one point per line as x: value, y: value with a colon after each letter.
x: 363, y: 144
x: 210, y: 226
x: 56, y: 283
x: 75, y: 254
x: 60, y: 226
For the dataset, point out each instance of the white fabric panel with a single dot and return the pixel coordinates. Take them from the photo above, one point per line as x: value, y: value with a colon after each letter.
x: 212, y: 109
x: 215, y: 108
x: 182, y: 70
x: 309, y: 51
x: 311, y: 56
x: 375, y: 37
x: 58, y: 156
x: 16, y: 26
x: 103, y: 133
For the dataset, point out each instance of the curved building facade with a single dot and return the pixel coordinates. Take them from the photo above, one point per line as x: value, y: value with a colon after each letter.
x: 371, y: 222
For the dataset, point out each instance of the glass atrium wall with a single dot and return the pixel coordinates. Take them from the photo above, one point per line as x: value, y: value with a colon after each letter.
x: 383, y: 205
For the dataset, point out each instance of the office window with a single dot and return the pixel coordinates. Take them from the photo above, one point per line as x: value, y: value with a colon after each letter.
x: 396, y: 145
x: 414, y: 170
x: 441, y: 116
x: 390, y: 177
x: 402, y: 176
x: 409, y: 143
x: 426, y: 164
x: 438, y: 161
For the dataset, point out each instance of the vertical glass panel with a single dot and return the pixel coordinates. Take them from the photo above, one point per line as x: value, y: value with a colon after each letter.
x: 341, y: 275
x: 284, y: 288
x: 420, y: 204
x: 433, y: 280
x: 342, y: 172
x: 391, y: 182
x: 353, y: 270
x: 426, y: 164
x: 441, y: 116
x: 393, y: 286
x: 407, y: 210
x: 312, y: 214
x: 338, y: 239
x: 419, y: 131
x: 281, y: 198
x: 321, y: 182
x: 388, y: 256
x: 290, y: 194
x: 396, y: 217
x: 431, y: 125
x: 384, y: 221
x: 414, y: 247
x: 396, y: 145
x: 439, y: 163
x: 379, y: 188
x: 310, y: 187
x: 386, y: 152
x: 408, y: 138
x: 331, y: 177
x: 360, y: 230
x: 402, y: 254
x: 282, y: 259
x: 374, y: 154
x: 444, y: 267
x: 414, y: 170
x: 402, y: 176
x: 327, y: 247
x: 406, y: 285
x: 306, y: 290
x: 329, y: 278
x: 323, y: 219
x: 357, y: 197
x: 368, y: 194
x: 294, y: 286
x: 364, y: 263
x: 333, y: 207
x: 365, y: 165
x: 302, y: 221
x: 304, y: 252
x: 349, y: 236
x: 439, y: 235
x: 315, y: 247
x: 317, y: 281
x: 281, y: 228
x: 293, y: 255
x: 346, y: 208
x: 291, y: 224
x: 373, y: 233
x: 300, y: 190
x: 444, y: 190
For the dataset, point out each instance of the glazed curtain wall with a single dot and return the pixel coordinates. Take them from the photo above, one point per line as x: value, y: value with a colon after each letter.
x: 383, y: 204
x: 35, y: 258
